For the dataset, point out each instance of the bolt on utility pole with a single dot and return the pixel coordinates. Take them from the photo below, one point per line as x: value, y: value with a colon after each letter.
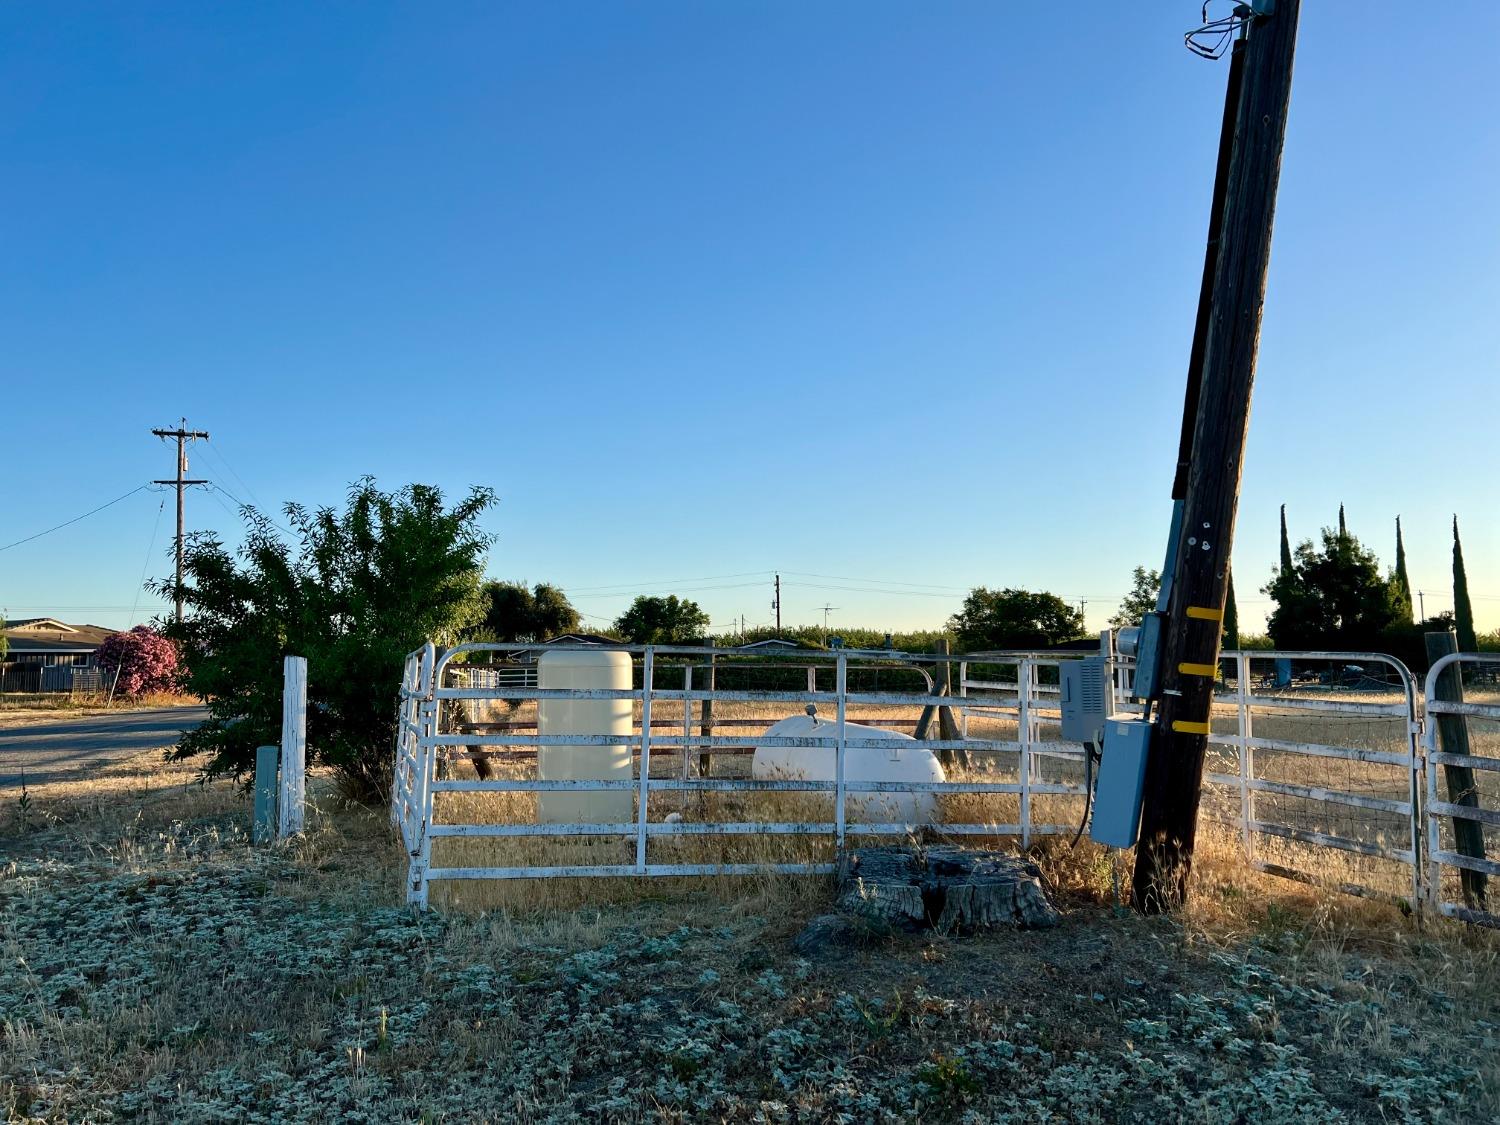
x: 180, y: 482
x: 1210, y: 481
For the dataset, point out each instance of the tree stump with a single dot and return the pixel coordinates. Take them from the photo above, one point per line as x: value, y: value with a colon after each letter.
x: 946, y: 888
x: 981, y: 890
x: 883, y: 884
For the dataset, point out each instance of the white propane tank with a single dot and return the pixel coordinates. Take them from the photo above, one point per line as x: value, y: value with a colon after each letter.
x: 561, y: 762
x: 905, y: 760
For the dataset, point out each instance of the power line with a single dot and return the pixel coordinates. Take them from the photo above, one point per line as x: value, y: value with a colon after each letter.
x: 75, y: 519
x: 139, y: 586
x: 218, y: 452
x: 678, y: 590
x: 877, y: 581
x: 627, y: 587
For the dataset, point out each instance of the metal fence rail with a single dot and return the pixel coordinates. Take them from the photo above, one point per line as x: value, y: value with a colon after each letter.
x: 1311, y: 807
x: 1320, y: 763
x: 425, y: 746
x: 1479, y: 805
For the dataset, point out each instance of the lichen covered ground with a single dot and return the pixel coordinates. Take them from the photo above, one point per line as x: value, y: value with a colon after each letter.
x: 155, y: 967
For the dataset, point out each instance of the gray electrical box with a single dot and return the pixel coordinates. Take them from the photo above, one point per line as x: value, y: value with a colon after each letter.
x: 1122, y: 776
x: 1086, y: 698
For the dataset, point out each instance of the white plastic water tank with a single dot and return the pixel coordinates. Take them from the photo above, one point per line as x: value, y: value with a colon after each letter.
x: 906, y: 759
x: 562, y: 762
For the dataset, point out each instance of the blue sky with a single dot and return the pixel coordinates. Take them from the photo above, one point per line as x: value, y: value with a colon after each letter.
x: 898, y: 294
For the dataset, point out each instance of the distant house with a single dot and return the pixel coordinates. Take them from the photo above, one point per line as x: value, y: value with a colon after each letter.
x: 582, y: 639
x: 45, y: 654
x: 770, y: 644
x: 53, y: 643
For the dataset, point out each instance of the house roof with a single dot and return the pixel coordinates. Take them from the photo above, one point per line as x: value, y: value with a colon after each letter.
x: 47, y: 634
x: 582, y: 639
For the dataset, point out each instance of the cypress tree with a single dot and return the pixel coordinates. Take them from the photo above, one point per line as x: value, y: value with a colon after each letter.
x: 1463, y: 612
x: 1231, y: 619
x: 1343, y: 527
x: 1286, y: 546
x: 1402, y: 581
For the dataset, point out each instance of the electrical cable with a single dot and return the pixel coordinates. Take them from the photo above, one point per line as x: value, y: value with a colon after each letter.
x: 1091, y: 753
x: 75, y: 519
x: 1210, y: 40
x: 139, y: 586
x: 219, y: 454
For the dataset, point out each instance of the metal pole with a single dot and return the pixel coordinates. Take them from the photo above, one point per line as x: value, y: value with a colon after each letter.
x: 841, y: 672
x: 648, y: 667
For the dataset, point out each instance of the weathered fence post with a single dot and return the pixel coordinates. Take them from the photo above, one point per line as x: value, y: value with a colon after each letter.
x: 293, y: 745
x: 1453, y: 730
x: 706, y: 725
x: 948, y: 728
x: 263, y: 824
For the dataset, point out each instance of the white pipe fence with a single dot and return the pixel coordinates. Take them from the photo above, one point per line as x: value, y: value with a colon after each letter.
x: 1326, y: 756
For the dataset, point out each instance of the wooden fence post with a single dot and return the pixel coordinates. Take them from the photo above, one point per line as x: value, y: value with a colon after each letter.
x: 293, y: 745
x: 706, y: 725
x: 948, y: 730
x: 263, y: 824
x: 1453, y: 731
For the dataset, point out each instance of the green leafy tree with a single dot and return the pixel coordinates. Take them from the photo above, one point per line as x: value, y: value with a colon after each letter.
x: 1333, y: 597
x: 354, y: 591
x: 1145, y: 586
x: 1287, y: 564
x: 1400, y: 578
x: 661, y: 621
x: 1014, y: 619
x: 514, y: 612
x: 1463, y: 611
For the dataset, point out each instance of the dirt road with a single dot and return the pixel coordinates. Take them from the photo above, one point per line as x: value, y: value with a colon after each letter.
x: 48, y: 750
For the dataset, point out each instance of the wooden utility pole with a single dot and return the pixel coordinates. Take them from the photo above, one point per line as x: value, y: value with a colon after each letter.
x: 1200, y: 573
x: 180, y: 482
x: 776, y: 604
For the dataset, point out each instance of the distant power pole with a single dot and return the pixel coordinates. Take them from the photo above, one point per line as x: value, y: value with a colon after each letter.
x: 1209, y: 475
x: 180, y: 482
x: 827, y: 609
x: 1422, y: 606
x: 776, y: 604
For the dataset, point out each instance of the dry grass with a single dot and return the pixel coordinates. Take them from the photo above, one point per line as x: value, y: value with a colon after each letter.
x: 154, y: 967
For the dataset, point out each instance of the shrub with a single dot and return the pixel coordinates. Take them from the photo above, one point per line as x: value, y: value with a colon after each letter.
x: 354, y: 593
x: 145, y: 661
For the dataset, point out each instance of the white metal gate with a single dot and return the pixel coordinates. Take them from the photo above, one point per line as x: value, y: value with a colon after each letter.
x: 1318, y: 763
x: 1480, y: 804
x: 1001, y: 722
x: 1324, y: 759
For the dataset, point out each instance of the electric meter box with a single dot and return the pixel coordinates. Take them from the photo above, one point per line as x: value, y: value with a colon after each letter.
x: 1122, y: 778
x: 1086, y: 698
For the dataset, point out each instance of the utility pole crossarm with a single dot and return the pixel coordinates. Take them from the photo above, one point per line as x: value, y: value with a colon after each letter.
x: 182, y: 435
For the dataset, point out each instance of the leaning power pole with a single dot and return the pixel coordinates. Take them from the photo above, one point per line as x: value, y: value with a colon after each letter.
x: 180, y: 482
x: 1208, y: 482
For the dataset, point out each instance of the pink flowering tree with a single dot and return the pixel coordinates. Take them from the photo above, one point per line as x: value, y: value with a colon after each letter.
x: 147, y: 661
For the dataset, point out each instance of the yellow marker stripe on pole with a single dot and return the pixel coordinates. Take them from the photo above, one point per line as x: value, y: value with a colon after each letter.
x: 1198, y: 670
x: 1203, y: 613
x: 1182, y: 726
